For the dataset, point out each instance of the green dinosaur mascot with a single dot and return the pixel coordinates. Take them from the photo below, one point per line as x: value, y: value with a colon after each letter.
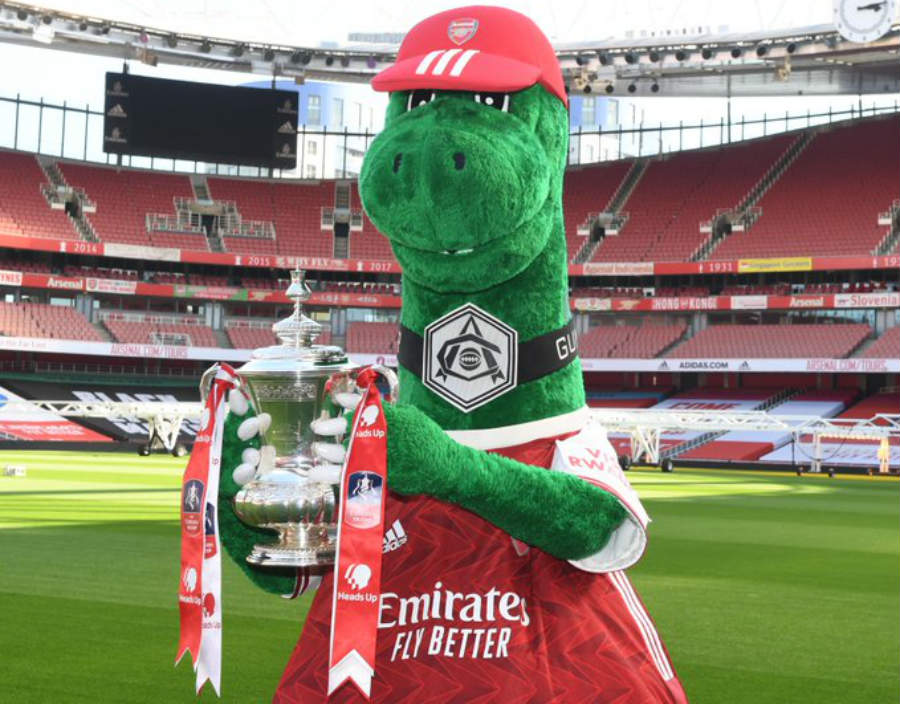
x: 510, y: 521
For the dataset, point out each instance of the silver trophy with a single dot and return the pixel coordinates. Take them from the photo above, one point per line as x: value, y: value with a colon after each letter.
x: 288, y: 381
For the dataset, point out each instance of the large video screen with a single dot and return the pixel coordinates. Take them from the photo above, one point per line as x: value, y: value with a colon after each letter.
x: 200, y: 121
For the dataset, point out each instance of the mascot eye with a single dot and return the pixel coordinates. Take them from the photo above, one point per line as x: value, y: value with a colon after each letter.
x: 500, y: 101
x: 419, y: 97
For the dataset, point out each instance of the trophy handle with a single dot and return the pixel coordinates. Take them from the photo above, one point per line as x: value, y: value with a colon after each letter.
x: 391, y: 377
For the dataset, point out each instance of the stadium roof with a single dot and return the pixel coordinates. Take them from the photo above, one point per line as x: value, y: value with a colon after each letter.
x: 812, y: 60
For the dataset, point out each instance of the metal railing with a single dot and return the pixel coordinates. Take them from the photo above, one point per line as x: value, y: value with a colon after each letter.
x: 70, y: 132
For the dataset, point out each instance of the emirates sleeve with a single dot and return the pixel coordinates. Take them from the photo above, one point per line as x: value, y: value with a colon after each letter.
x: 589, y: 456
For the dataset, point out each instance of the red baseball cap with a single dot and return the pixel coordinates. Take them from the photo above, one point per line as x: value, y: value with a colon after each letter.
x: 477, y: 48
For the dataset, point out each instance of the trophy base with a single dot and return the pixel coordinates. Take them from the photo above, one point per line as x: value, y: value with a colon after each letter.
x: 277, y: 556
x: 299, y: 545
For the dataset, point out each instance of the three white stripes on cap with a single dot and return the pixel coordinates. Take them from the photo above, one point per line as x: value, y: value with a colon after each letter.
x: 446, y: 56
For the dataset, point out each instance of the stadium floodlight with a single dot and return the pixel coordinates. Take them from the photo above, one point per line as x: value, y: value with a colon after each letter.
x: 655, y: 87
x: 296, y: 57
x: 681, y: 55
x: 345, y: 61
x: 82, y: 26
x: 632, y: 87
x: 205, y: 46
x: 610, y: 88
x: 269, y: 54
x: 329, y: 60
x: 21, y: 15
x: 791, y: 48
x: 605, y: 59
x: 47, y: 19
x: 104, y: 28
x: 655, y: 56
x: 581, y: 60
x: 631, y: 58
x: 172, y: 41
x: 372, y: 62
x: 587, y: 88
x: 736, y: 52
x: 761, y: 50
x: 706, y: 53
x: 237, y: 50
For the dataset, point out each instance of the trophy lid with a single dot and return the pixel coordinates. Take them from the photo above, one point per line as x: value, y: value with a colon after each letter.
x: 297, y: 332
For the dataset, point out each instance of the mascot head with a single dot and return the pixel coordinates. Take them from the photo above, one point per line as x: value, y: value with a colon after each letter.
x: 466, y: 177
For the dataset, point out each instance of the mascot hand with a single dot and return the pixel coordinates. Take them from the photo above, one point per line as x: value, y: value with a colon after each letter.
x: 242, y: 455
x: 242, y: 450
x: 408, y: 473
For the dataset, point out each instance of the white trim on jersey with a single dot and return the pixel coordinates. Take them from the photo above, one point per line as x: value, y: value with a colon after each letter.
x: 512, y: 435
x: 446, y: 57
x: 645, y: 625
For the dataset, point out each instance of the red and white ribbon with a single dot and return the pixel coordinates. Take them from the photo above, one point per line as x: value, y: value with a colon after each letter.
x: 200, y: 587
x: 357, y: 570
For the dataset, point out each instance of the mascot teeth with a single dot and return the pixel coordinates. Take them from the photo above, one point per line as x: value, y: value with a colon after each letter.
x: 457, y: 252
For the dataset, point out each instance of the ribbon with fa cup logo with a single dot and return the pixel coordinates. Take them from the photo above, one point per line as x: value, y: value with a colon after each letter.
x: 357, y: 569
x: 200, y: 588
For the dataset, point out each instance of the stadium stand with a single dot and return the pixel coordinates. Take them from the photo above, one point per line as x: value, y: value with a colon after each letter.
x: 146, y: 332
x: 295, y: 210
x: 676, y: 194
x: 368, y: 243
x: 749, y: 445
x: 242, y: 337
x: 756, y: 289
x: 633, y: 398
x: 24, y: 211
x: 701, y: 399
x: 17, y: 265
x: 250, y: 335
x: 828, y: 200
x: 44, y: 320
x: 124, y: 198
x: 372, y: 338
x: 883, y: 402
x: 736, y: 341
x: 629, y: 341
x: 885, y: 347
x: 589, y: 190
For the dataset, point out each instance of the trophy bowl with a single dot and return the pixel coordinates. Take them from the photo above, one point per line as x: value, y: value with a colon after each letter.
x: 295, y: 382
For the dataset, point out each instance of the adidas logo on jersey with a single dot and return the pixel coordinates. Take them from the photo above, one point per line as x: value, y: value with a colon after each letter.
x: 394, y: 537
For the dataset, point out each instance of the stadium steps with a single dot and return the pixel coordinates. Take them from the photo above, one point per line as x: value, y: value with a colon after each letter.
x: 103, y: 332
x: 77, y: 195
x: 201, y: 188
x: 614, y: 207
x: 746, y: 211
x: 222, y: 339
x: 889, y: 243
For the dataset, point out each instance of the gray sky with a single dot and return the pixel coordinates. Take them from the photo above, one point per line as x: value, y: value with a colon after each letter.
x: 58, y: 76
x: 302, y: 21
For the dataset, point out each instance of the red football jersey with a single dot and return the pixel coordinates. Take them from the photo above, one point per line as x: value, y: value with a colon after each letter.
x: 468, y: 615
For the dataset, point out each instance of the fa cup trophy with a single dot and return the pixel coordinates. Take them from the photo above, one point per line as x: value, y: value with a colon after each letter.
x: 292, y: 382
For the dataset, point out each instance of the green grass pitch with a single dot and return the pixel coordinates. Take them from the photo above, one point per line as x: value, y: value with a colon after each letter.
x: 765, y: 588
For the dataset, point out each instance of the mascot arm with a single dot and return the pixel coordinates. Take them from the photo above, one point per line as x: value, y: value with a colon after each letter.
x: 240, y: 455
x: 558, y: 512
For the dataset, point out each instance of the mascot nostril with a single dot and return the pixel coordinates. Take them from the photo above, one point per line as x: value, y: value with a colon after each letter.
x: 508, y: 521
